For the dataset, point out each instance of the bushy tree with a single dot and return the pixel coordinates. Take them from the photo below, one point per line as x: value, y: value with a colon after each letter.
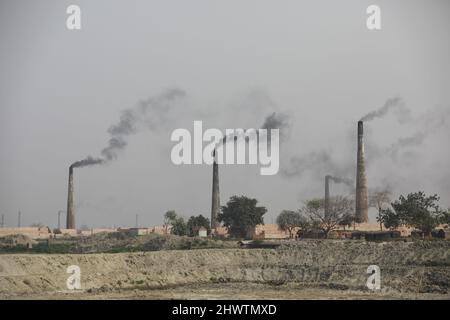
x: 178, y: 224
x: 340, y: 209
x: 240, y: 214
x: 445, y: 217
x: 170, y: 216
x: 195, y: 222
x: 389, y: 218
x: 179, y: 227
x: 417, y: 210
x: 289, y: 220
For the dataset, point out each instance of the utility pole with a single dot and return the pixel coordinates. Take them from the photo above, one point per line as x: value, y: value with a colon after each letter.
x: 18, y: 219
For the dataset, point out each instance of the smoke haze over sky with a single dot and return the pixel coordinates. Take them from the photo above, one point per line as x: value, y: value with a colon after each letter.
x: 236, y: 62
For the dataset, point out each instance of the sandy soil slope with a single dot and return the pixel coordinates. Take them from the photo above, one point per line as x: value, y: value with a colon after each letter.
x: 304, y: 269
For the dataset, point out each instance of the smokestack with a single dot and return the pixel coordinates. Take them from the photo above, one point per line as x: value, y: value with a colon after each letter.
x: 327, y: 195
x: 215, y: 207
x: 70, y: 222
x: 361, y: 198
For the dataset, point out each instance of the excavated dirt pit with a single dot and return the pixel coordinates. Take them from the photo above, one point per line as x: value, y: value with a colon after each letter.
x: 316, y: 269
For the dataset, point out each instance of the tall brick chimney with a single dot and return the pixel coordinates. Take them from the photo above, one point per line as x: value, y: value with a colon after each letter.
x: 215, y: 206
x: 327, y: 195
x: 361, y: 196
x: 70, y: 224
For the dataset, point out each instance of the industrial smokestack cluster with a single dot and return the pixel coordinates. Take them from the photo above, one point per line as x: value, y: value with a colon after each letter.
x: 215, y: 206
x: 70, y: 223
x: 361, y: 196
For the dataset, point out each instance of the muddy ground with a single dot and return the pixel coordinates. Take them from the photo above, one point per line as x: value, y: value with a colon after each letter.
x: 313, y: 269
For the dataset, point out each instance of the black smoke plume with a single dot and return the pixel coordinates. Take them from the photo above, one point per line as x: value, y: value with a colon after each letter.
x: 346, y: 181
x: 391, y: 103
x: 272, y: 121
x: 152, y: 112
x: 88, y: 161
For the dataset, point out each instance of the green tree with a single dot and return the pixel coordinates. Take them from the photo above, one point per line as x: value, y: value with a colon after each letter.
x: 178, y: 224
x: 419, y: 211
x: 289, y: 220
x: 179, y: 227
x: 445, y: 217
x: 169, y: 218
x: 240, y: 214
x: 389, y: 218
x: 305, y: 226
x: 195, y: 222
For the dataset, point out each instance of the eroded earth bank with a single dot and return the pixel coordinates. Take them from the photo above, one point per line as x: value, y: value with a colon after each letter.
x: 317, y: 269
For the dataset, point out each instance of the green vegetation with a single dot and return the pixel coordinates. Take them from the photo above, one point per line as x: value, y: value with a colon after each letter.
x: 42, y: 247
x: 415, y: 210
x: 289, y: 220
x: 240, y: 214
x: 178, y: 224
x: 196, y: 222
x: 118, y: 242
x: 340, y: 213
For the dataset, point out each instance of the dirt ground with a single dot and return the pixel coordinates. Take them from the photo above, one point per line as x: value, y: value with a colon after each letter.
x: 237, y: 291
x: 316, y: 269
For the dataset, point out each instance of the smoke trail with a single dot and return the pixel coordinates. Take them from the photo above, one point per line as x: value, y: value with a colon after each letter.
x: 152, y: 112
x: 396, y: 102
x: 157, y: 107
x: 431, y: 122
x: 88, y: 161
x: 272, y: 121
x: 415, y: 140
x: 276, y: 121
x: 320, y: 162
x: 346, y: 181
x: 317, y: 163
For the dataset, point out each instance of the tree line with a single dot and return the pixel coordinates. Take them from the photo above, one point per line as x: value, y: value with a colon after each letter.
x: 241, y: 214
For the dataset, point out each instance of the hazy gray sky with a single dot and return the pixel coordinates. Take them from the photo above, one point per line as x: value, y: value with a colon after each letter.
x: 238, y: 61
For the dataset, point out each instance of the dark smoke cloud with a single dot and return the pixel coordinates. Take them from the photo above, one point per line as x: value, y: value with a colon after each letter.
x: 429, y: 123
x: 276, y: 121
x: 114, y: 145
x: 317, y: 163
x: 412, y: 141
x: 348, y: 182
x: 272, y: 121
x: 391, y: 103
x: 156, y: 107
x: 152, y: 112
x: 88, y: 161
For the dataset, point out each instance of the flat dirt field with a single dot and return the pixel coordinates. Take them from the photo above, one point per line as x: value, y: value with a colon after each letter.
x: 309, y: 269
